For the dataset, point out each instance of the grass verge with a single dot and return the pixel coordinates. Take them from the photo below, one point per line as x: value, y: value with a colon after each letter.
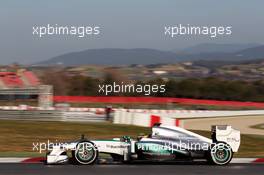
x: 258, y: 126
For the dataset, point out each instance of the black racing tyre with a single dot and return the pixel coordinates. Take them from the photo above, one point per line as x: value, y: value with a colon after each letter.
x: 85, y: 153
x: 220, y: 154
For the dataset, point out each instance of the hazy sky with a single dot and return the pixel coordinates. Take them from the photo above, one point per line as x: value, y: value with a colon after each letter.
x: 124, y: 24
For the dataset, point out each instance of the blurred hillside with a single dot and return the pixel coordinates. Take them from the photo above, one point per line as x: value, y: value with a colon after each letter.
x: 143, y: 56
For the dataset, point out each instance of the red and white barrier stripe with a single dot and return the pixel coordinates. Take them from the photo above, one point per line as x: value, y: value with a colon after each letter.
x: 22, y: 159
x: 247, y: 160
x: 144, y: 119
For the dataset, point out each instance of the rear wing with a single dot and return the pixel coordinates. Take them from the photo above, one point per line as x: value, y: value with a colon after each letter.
x: 226, y: 134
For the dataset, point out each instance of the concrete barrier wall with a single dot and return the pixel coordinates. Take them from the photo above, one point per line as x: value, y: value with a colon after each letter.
x: 48, y: 115
x: 148, y: 118
x: 25, y: 112
x: 72, y: 109
x: 142, y: 119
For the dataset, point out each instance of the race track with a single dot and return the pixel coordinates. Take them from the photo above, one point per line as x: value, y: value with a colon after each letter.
x: 134, y: 169
x: 242, y: 123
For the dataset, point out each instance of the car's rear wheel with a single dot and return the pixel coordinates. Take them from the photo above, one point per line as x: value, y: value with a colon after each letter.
x: 85, y: 153
x: 220, y: 154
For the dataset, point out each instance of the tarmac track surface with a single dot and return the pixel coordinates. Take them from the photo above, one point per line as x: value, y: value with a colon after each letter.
x: 242, y: 123
x: 131, y: 169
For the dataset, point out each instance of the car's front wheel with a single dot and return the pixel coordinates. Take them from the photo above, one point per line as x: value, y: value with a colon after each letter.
x: 85, y: 153
x: 220, y: 154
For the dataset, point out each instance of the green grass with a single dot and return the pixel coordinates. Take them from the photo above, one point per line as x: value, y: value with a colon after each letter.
x: 16, y: 137
x: 258, y: 126
x: 19, y: 136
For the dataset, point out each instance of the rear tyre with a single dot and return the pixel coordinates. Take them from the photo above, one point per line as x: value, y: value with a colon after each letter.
x: 220, y: 154
x: 85, y: 153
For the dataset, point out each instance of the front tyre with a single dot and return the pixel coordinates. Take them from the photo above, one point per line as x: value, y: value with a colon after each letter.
x: 85, y: 153
x: 220, y: 154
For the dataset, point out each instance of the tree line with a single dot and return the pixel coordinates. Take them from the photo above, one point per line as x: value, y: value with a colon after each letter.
x: 198, y: 88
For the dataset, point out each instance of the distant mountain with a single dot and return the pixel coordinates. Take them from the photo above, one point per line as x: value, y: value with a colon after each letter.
x: 113, y: 57
x: 252, y: 53
x: 246, y: 54
x: 148, y: 56
x: 216, y: 48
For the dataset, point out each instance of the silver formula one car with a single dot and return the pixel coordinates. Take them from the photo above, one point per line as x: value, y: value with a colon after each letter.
x: 165, y: 143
